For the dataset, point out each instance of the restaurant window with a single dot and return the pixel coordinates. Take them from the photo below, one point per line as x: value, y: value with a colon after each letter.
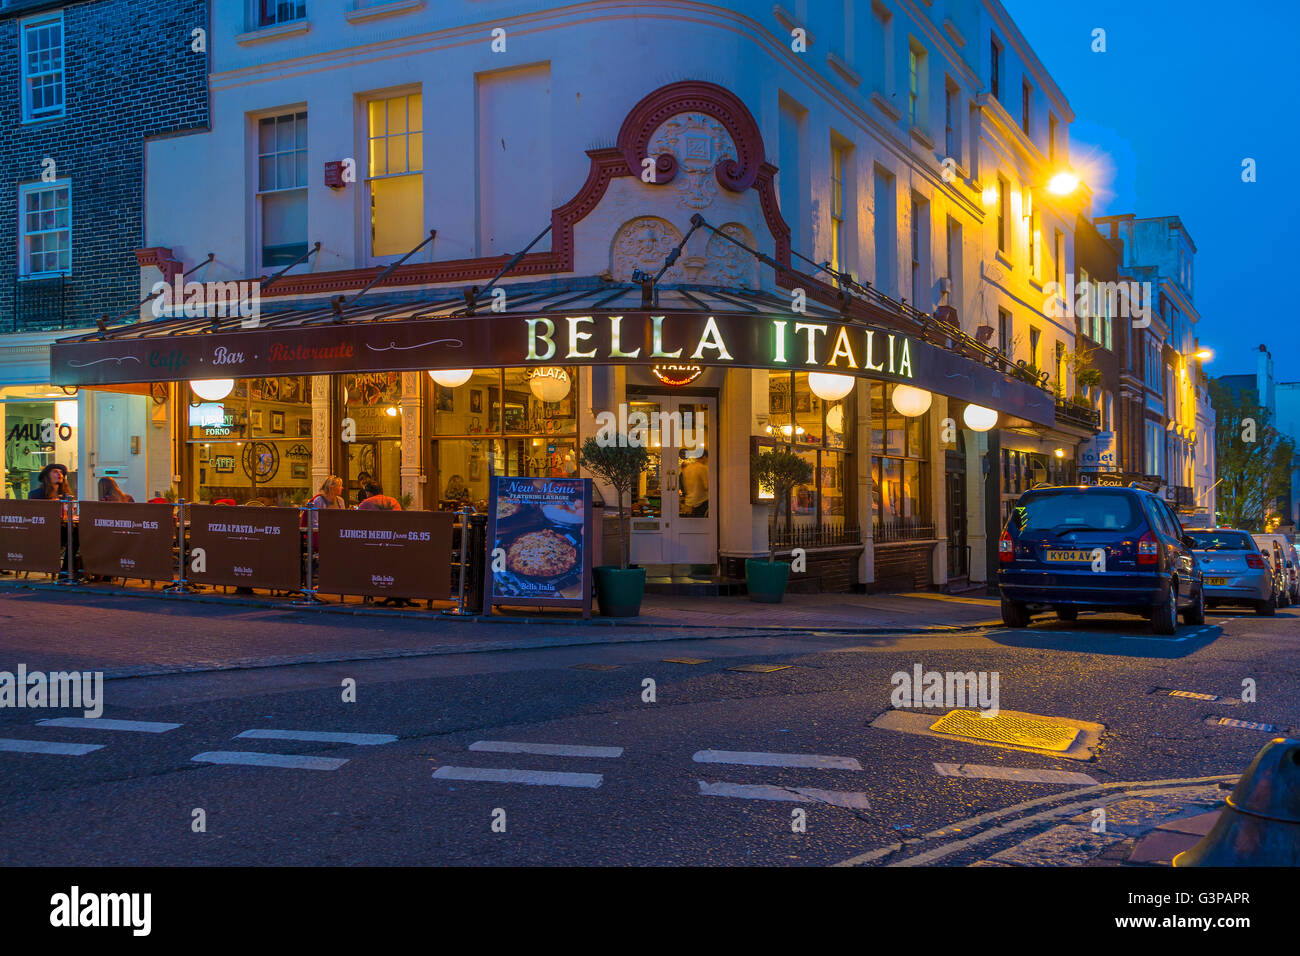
x: 253, y: 446
x: 45, y: 228
x: 282, y: 187
x: 952, y: 120
x: 899, y: 471
x: 373, y: 401
x: 40, y: 428
x: 396, y: 174
x: 42, y: 62
x: 821, y: 433
x: 516, y: 422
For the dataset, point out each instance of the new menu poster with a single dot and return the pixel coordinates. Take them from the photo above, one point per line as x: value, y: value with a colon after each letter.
x: 538, y: 533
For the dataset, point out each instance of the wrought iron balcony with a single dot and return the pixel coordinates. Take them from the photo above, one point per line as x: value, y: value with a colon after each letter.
x: 1072, y: 413
x: 40, y: 305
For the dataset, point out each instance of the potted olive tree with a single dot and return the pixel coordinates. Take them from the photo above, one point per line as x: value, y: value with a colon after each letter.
x: 619, y: 464
x: 777, y: 470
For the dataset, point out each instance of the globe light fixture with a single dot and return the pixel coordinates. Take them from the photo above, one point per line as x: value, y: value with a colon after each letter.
x: 549, y: 383
x: 450, y: 378
x: 911, y: 402
x: 1059, y: 453
x: 978, y: 418
x: 835, y: 419
x: 212, y: 389
x: 830, y: 387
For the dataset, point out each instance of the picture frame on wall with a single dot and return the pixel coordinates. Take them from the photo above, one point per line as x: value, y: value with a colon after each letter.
x: 203, y: 454
x: 476, y: 401
x: 304, y: 428
x: 803, y: 402
x: 255, y: 418
x: 446, y: 399
x: 475, y: 469
x: 299, y: 469
x: 277, y: 423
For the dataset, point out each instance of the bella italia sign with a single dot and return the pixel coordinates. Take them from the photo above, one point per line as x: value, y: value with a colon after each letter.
x: 739, y: 340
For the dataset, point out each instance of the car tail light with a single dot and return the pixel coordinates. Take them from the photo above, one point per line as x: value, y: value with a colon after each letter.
x: 1148, y: 549
x: 1006, y: 550
x: 1255, y: 561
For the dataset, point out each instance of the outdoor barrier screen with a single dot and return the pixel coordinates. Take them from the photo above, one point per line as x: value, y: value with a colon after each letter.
x: 397, y: 554
x: 127, y: 540
x: 245, y: 547
x: 31, y: 535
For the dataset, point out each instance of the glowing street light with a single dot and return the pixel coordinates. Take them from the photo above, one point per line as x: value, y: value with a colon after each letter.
x: 1203, y: 355
x: 1063, y: 183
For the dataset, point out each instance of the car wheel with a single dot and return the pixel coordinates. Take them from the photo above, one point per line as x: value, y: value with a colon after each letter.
x: 1164, y: 617
x: 1266, y: 608
x: 1067, y: 613
x: 1196, y: 613
x: 1014, y: 614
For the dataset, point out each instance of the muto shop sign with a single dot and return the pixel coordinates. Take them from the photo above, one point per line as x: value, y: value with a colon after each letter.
x: 672, y: 341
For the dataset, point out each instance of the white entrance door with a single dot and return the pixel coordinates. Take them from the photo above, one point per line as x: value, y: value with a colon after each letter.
x: 675, y: 508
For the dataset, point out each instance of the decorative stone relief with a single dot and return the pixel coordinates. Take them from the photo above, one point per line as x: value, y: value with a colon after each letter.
x: 699, y: 142
x: 321, y: 439
x: 643, y: 243
x: 412, y: 417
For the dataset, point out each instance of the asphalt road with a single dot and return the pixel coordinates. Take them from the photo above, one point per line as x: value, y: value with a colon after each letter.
x: 651, y: 798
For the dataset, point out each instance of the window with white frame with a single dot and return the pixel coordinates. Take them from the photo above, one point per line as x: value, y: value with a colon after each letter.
x: 837, y: 208
x: 42, y: 67
x: 1035, y: 234
x: 282, y: 187
x: 917, y: 87
x: 396, y: 174
x: 920, y: 252
x: 952, y: 120
x: 45, y: 229
x: 271, y: 13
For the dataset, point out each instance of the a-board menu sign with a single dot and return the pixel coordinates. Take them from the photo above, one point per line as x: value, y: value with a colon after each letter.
x: 31, y: 535
x: 539, y: 542
x: 245, y: 547
x: 126, y: 540
x: 392, y: 554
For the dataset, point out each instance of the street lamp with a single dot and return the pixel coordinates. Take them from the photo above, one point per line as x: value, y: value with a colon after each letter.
x: 1063, y: 183
x: 1203, y: 355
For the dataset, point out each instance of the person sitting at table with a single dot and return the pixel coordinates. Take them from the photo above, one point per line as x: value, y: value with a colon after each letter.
x: 376, y: 500
x: 109, y: 490
x: 52, y: 482
x: 330, y: 494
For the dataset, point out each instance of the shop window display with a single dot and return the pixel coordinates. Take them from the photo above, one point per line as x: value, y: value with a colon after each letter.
x: 899, y: 488
x: 820, y: 432
x: 373, y: 400
x: 40, y: 428
x: 519, y: 422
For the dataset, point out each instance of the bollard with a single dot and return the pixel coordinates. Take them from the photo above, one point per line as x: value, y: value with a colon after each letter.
x: 1260, y: 825
x: 309, y: 597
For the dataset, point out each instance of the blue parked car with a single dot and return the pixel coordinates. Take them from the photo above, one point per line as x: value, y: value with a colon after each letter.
x: 1098, y: 548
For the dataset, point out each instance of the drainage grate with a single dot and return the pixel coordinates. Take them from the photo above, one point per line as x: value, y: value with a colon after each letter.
x: 686, y: 660
x: 1002, y: 729
x: 1191, y: 695
x: 596, y: 667
x: 759, y: 668
x: 1243, y: 724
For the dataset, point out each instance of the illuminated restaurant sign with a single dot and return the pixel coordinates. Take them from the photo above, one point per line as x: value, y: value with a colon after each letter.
x: 739, y: 340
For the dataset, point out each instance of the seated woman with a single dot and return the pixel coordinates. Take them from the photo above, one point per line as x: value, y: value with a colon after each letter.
x: 109, y: 490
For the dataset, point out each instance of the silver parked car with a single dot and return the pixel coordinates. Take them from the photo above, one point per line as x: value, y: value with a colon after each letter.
x: 1233, y: 571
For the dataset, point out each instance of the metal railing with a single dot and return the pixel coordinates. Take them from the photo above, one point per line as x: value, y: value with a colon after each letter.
x: 901, y: 529
x: 825, y: 535
x: 1075, y: 414
x: 40, y: 305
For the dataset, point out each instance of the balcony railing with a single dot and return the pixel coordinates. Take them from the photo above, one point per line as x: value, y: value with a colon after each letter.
x: 1070, y: 413
x: 900, y: 529
x: 40, y: 305
x: 827, y: 535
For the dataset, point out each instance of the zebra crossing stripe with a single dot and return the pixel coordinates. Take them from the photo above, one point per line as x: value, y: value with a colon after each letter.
x: 543, y: 778
x: 319, y: 736
x: 761, y: 759
x: 1018, y: 774
x: 47, y: 747
x: 282, y: 761
x: 835, y: 798
x: 547, y: 750
x: 101, y: 723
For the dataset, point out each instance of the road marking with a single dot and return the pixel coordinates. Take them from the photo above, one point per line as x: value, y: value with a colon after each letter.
x: 47, y: 747
x: 761, y: 759
x: 99, y: 723
x: 548, y: 750
x: 686, y: 660
x: 319, y: 736
x: 541, y: 778
x: 746, y: 791
x: 759, y: 668
x: 255, y: 759
x: 952, y: 599
x: 1019, y: 774
x: 1243, y: 724
x: 1193, y: 695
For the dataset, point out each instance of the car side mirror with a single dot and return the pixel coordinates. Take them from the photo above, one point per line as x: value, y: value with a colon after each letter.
x: 1188, y: 542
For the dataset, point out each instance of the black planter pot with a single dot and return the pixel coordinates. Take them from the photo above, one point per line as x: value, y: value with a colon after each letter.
x: 619, y: 591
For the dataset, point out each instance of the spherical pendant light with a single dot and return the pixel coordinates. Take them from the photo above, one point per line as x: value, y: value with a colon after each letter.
x: 978, y: 418
x: 549, y: 383
x: 911, y: 402
x: 212, y: 389
x: 450, y: 378
x: 830, y: 387
x: 835, y: 419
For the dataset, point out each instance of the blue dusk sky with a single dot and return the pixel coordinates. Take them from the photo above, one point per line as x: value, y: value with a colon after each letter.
x: 1164, y: 118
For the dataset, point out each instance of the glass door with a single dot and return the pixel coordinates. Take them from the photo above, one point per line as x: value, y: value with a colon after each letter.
x: 674, y: 507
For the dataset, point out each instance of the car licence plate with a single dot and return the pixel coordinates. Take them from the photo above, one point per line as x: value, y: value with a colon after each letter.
x: 1216, y: 582
x: 1068, y: 554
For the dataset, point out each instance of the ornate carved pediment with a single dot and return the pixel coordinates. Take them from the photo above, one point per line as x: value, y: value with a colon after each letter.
x: 699, y: 143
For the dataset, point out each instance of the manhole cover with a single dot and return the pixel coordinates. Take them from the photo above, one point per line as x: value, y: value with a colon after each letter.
x: 686, y: 660
x: 597, y: 667
x: 1003, y: 729
x: 759, y: 668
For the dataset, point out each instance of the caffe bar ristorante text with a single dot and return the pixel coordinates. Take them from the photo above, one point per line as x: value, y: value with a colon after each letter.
x: 738, y: 340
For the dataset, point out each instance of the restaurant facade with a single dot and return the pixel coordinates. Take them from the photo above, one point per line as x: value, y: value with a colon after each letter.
x: 428, y: 317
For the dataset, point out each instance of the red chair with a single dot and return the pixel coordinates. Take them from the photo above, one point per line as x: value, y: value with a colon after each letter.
x: 223, y: 501
x: 157, y: 501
